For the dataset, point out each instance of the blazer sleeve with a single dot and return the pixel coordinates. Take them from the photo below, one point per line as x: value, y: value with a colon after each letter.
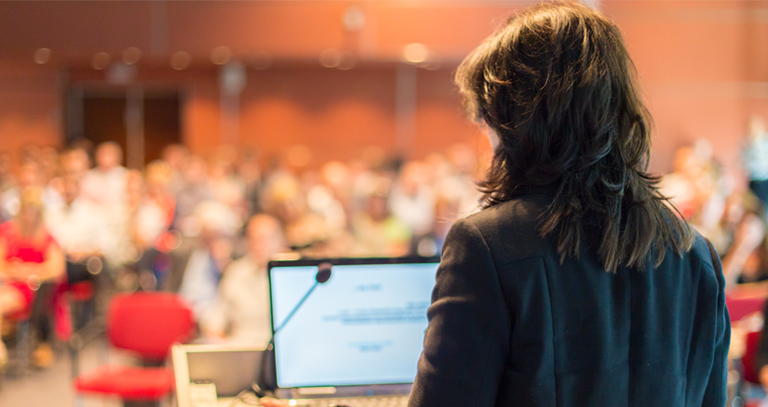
x: 715, y: 394
x: 467, y: 342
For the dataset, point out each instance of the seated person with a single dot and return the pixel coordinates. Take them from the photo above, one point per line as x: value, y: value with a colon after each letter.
x: 378, y: 231
x: 203, y: 272
x: 150, y: 213
x: 210, y: 257
x: 744, y: 260
x: 28, y: 257
x: 241, y: 311
x: 30, y: 176
x: 78, y: 230
x: 82, y: 236
x: 285, y: 199
x: 106, y: 183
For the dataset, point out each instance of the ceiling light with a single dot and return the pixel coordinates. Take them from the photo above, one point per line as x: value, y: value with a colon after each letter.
x: 180, y: 60
x: 354, y: 19
x: 100, y: 60
x: 42, y: 56
x: 131, y: 55
x: 221, y: 55
x: 330, y: 58
x: 347, y: 61
x: 415, y: 53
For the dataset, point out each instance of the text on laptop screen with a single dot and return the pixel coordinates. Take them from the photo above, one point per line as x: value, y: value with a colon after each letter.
x: 364, y: 326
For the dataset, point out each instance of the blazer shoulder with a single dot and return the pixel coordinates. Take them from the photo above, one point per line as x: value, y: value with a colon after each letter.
x: 511, y: 229
x: 703, y: 253
x: 521, y: 212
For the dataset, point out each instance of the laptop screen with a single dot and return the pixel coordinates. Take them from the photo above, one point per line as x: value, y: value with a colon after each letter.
x: 364, y: 326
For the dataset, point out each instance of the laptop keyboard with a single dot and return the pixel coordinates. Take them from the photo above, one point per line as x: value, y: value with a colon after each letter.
x: 373, y: 401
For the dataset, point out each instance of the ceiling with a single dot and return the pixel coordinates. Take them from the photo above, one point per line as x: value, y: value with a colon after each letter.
x: 75, y: 31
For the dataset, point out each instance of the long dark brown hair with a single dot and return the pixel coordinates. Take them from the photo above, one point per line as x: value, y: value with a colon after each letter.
x: 557, y: 86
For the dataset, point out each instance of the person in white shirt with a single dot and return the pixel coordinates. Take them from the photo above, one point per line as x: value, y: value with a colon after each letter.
x: 30, y: 176
x: 106, y: 187
x: 241, y: 313
x: 106, y: 183
x: 211, y: 256
x: 76, y: 226
x: 81, y: 234
x: 412, y: 200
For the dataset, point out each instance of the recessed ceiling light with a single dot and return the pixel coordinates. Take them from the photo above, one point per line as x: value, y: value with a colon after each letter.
x: 131, y: 55
x: 100, y: 60
x: 221, y: 55
x: 347, y: 61
x: 354, y: 19
x: 42, y: 56
x: 415, y: 53
x: 180, y: 60
x: 330, y: 58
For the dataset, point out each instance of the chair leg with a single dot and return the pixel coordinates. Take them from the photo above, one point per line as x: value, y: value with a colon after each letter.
x: 141, y: 403
x: 23, y: 345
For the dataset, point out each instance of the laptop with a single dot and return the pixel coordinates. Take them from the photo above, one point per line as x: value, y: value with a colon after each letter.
x: 231, y: 368
x: 358, y: 336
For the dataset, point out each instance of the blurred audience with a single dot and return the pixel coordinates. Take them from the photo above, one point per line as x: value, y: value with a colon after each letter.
x: 241, y: 310
x: 755, y: 154
x: 106, y: 184
x: 412, y: 199
x: 725, y: 204
x: 7, y: 180
x: 192, y: 191
x: 218, y: 226
x: 77, y: 229
x: 29, y: 257
x: 286, y: 200
x: 377, y: 229
x: 206, y: 227
x: 30, y: 176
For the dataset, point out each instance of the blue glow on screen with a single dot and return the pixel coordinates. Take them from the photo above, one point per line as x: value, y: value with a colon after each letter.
x: 364, y: 326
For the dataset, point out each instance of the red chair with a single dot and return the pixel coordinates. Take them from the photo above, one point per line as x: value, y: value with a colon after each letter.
x: 739, y: 308
x: 749, y: 371
x: 147, y: 324
x: 748, y: 359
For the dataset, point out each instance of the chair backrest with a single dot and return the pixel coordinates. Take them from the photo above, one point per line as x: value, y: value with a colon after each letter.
x: 748, y: 361
x: 739, y: 308
x: 149, y: 323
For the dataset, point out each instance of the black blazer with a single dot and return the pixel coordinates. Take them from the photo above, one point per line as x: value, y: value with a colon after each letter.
x: 510, y: 325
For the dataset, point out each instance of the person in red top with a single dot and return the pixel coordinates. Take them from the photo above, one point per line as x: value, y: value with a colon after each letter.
x: 28, y: 257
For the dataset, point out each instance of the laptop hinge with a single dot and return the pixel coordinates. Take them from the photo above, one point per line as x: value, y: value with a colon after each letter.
x: 314, y: 391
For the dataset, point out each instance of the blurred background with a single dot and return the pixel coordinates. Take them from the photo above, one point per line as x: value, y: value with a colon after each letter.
x: 336, y: 77
x: 160, y: 145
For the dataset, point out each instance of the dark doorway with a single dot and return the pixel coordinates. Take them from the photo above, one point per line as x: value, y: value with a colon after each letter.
x: 142, y: 121
x: 104, y: 119
x: 162, y: 123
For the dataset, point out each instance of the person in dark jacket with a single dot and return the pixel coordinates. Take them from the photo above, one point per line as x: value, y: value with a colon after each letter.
x: 578, y: 284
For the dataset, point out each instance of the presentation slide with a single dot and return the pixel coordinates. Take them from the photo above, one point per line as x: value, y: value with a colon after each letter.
x: 364, y: 326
